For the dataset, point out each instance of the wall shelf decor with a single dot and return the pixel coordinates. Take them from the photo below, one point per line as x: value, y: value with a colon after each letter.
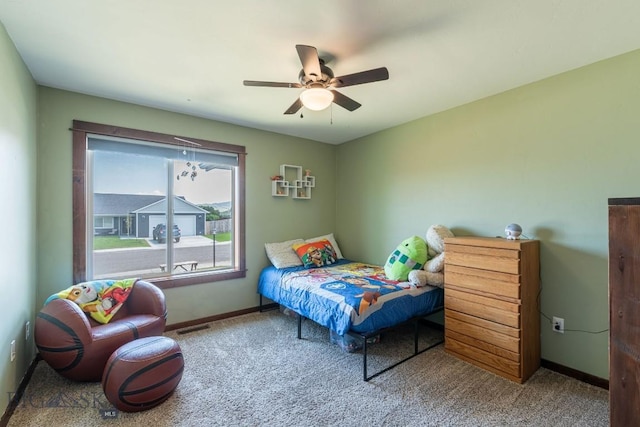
x: 292, y: 182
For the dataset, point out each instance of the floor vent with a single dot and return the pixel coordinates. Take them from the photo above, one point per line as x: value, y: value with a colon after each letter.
x: 194, y: 329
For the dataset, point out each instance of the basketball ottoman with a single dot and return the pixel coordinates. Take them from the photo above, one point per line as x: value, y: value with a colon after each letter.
x: 143, y: 373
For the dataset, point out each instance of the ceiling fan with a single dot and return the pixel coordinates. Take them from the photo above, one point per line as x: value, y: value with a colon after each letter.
x: 320, y: 83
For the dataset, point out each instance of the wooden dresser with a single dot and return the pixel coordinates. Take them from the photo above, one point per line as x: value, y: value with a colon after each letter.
x: 491, y: 304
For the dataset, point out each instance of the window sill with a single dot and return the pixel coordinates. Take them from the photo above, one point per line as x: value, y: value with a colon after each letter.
x: 188, y: 279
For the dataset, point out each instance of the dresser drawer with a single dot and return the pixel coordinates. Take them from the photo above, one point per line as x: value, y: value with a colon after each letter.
x: 471, y: 353
x: 490, y: 282
x: 494, y: 314
x: 491, y: 259
x: 513, y: 306
x: 483, y: 330
x: 483, y: 345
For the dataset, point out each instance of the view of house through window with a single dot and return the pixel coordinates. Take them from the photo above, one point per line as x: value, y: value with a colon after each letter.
x: 155, y: 210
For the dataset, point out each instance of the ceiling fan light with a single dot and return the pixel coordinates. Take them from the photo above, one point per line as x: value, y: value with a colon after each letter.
x: 316, y: 98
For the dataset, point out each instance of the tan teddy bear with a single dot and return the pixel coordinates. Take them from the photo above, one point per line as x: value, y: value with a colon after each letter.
x: 433, y: 271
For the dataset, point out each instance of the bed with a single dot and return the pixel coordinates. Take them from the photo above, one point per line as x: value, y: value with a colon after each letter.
x: 351, y: 298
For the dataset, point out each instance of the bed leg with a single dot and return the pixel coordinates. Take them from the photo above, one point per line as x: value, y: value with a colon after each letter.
x: 364, y: 360
x: 299, y: 327
x: 416, y: 350
x: 416, y: 334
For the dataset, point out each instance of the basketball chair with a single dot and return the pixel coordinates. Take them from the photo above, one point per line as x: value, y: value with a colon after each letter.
x: 78, y: 347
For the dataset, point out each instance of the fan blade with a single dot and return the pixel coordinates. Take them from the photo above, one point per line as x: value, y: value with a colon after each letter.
x: 344, y: 101
x: 294, y: 107
x: 271, y: 84
x: 362, y: 77
x: 310, y: 61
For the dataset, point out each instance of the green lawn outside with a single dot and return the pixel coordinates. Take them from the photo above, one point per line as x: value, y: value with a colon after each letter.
x: 220, y: 237
x: 114, y: 242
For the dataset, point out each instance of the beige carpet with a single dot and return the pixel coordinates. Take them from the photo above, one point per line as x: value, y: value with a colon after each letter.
x: 253, y: 371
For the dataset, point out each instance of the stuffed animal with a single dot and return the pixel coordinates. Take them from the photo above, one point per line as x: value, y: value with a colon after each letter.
x: 100, y: 298
x: 411, y: 254
x: 432, y: 273
x: 84, y: 294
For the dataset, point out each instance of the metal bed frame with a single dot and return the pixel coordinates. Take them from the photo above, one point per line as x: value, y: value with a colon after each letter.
x: 364, y: 337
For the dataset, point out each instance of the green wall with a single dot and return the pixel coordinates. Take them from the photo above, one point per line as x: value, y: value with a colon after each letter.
x: 18, y: 171
x: 268, y: 218
x: 547, y: 156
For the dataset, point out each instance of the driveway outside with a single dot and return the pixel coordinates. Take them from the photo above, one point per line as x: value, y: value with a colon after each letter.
x: 137, y: 261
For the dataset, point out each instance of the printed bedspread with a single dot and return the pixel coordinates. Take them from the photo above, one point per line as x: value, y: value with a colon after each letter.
x: 348, y: 296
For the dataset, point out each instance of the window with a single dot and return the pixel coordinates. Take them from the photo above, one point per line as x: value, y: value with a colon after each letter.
x: 166, y: 209
x: 102, y: 222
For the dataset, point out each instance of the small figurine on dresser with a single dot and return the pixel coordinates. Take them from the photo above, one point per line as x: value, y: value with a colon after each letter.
x: 513, y: 231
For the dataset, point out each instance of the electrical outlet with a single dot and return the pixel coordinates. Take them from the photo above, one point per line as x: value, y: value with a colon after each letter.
x: 13, y: 350
x: 557, y: 324
x: 27, y: 332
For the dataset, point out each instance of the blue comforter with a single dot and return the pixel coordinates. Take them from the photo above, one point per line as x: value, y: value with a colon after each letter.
x: 348, y: 296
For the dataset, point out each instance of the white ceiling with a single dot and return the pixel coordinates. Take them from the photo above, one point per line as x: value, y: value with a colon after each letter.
x: 191, y: 56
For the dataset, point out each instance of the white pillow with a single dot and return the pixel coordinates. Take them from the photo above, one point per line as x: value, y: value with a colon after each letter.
x: 282, y: 254
x: 331, y: 240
